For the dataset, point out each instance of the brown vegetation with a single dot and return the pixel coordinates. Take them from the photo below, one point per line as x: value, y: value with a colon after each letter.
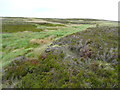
x: 42, y: 41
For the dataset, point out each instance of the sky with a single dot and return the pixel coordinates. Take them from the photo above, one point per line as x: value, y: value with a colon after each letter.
x: 95, y: 9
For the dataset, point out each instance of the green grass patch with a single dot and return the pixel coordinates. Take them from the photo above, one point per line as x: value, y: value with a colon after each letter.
x: 14, y: 41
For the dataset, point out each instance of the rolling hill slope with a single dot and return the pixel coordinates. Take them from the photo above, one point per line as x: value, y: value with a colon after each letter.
x: 66, y: 53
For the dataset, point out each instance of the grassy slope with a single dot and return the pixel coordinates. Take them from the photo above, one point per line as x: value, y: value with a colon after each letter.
x: 85, y: 59
x: 14, y: 41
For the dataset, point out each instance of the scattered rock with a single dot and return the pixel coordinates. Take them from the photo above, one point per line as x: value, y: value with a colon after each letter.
x: 21, y: 58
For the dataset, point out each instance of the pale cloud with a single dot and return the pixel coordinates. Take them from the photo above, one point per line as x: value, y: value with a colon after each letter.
x: 99, y: 9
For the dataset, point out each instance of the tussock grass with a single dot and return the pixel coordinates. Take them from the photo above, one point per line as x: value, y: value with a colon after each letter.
x: 26, y: 40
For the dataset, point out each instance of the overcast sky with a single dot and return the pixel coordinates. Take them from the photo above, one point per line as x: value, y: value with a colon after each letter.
x: 96, y: 9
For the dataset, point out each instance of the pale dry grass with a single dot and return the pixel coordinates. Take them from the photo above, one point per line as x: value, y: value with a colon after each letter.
x: 43, y: 41
x: 18, y: 49
x: 39, y: 41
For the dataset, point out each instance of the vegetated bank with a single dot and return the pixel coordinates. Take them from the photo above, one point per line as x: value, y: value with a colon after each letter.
x: 87, y: 59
